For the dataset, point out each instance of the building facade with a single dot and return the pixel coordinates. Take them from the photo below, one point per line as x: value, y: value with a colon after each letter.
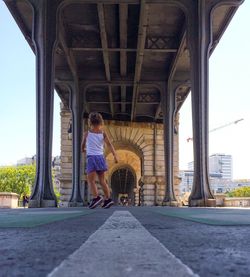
x: 221, y: 164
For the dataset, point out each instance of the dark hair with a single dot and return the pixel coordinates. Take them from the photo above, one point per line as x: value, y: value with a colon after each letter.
x: 95, y: 119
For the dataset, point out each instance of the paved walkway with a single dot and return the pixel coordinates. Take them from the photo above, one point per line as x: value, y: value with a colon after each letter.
x: 139, y: 241
x: 122, y: 246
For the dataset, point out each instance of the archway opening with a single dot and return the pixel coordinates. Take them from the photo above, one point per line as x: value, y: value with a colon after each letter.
x: 127, y: 160
x: 123, y: 182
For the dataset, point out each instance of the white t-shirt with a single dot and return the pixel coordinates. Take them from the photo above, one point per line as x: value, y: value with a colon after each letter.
x: 94, y: 144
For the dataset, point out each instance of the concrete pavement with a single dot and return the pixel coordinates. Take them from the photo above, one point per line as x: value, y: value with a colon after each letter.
x: 122, y: 246
x: 206, y: 249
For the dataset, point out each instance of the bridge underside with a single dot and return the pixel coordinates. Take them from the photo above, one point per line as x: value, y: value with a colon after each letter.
x: 133, y: 61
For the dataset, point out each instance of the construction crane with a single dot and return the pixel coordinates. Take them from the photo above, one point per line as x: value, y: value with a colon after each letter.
x: 220, y: 127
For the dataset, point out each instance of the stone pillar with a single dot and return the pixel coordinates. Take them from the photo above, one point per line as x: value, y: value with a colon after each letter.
x: 161, y: 186
x: 136, y: 193
x: 66, y: 157
x: 199, y: 42
x: 159, y: 173
x: 44, y: 39
x: 148, y: 190
x: 176, y: 169
x: 76, y: 106
x: 168, y: 102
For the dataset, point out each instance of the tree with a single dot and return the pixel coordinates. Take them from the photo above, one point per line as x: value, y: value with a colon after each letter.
x: 240, y: 192
x: 17, y: 179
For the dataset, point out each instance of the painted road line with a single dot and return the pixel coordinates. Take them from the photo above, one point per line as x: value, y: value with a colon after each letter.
x: 122, y: 246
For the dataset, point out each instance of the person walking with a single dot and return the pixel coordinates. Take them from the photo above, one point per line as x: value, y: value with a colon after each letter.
x: 25, y: 200
x: 94, y: 141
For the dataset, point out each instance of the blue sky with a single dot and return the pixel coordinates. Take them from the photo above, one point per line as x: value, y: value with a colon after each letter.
x: 17, y: 105
x: 229, y: 96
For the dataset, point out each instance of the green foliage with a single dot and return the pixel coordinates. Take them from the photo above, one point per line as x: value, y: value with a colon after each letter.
x: 240, y: 192
x: 18, y: 179
x: 56, y: 191
x: 57, y: 194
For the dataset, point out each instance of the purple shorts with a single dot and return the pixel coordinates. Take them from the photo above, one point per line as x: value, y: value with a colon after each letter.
x: 96, y: 163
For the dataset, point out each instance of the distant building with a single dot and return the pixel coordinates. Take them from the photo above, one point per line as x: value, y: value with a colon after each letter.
x: 224, y: 186
x: 221, y: 163
x: 217, y: 182
x: 26, y: 161
x: 218, y: 164
x: 187, y: 180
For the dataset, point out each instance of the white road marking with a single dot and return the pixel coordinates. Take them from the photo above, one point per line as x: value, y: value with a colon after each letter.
x: 122, y: 246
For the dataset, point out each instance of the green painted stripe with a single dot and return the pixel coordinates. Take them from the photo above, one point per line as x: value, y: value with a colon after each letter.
x: 30, y: 220
x: 219, y: 219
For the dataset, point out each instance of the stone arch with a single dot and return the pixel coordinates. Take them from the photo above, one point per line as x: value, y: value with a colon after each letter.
x: 123, y: 182
x: 121, y: 140
x: 142, y: 141
x: 128, y: 145
x: 127, y: 159
x: 136, y: 137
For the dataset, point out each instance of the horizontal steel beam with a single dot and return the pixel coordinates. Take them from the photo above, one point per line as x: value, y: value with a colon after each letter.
x: 98, y: 49
x: 141, y: 39
x: 114, y: 83
x: 122, y: 102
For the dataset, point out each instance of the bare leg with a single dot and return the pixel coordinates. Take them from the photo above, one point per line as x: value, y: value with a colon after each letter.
x: 91, y: 182
x: 104, y: 185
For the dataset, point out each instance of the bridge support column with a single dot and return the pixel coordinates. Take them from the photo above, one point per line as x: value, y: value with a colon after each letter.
x: 44, y: 39
x: 199, y: 41
x: 76, y: 106
x: 168, y: 101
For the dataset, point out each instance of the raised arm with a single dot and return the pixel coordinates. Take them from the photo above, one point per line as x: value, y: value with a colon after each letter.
x: 83, y: 144
x: 110, y: 146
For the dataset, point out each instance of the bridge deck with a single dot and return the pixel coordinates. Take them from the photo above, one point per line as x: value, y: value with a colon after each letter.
x: 122, y: 53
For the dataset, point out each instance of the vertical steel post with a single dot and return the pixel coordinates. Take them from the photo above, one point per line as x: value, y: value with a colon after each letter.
x: 169, y: 106
x: 44, y: 39
x: 199, y: 42
x: 76, y: 107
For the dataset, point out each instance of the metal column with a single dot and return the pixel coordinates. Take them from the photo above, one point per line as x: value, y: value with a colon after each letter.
x: 169, y: 106
x: 199, y: 41
x: 44, y: 39
x: 76, y: 107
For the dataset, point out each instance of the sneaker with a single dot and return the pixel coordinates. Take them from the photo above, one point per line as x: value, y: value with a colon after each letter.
x: 95, y: 202
x: 107, y: 203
